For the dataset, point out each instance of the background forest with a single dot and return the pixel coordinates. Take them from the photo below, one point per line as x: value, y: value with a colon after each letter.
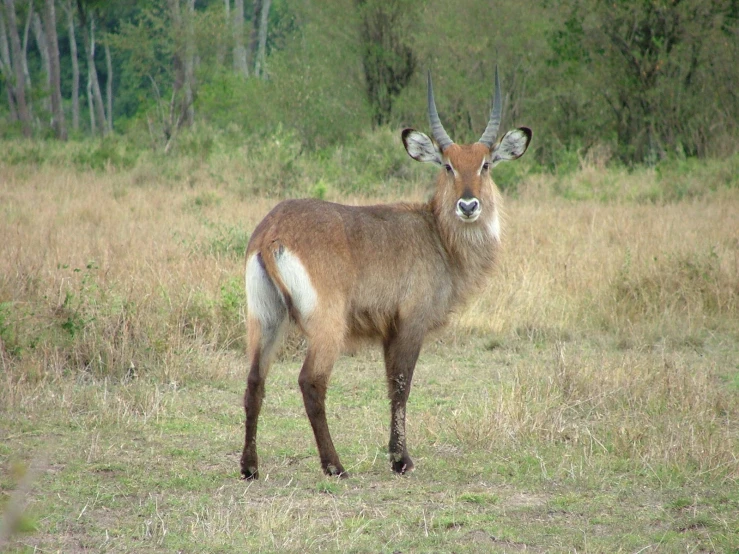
x: 626, y: 81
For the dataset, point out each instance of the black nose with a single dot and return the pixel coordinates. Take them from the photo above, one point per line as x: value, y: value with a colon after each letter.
x: 468, y: 207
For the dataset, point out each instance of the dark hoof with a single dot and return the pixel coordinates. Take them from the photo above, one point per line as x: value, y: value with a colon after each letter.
x: 404, y: 465
x: 335, y: 471
x: 249, y: 473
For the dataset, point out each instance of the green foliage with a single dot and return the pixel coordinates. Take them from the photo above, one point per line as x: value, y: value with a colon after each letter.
x: 509, y: 176
x: 220, y: 239
x: 648, y: 77
x: 227, y: 100
x: 68, y: 324
x: 233, y: 299
x: 106, y: 153
x: 671, y: 180
x: 314, y: 89
x: 370, y: 163
x: 22, y: 152
x: 317, y: 84
x: 387, y: 56
x: 228, y: 240
x: 692, y: 178
x: 215, y: 318
x: 646, y: 80
x: 319, y: 190
x: 9, y: 340
x: 479, y: 498
x: 567, y: 43
x: 328, y: 487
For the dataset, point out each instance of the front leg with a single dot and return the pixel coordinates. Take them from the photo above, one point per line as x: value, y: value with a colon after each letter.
x: 401, y: 353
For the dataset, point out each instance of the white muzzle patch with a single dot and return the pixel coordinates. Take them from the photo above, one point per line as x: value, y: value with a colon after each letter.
x: 468, y: 209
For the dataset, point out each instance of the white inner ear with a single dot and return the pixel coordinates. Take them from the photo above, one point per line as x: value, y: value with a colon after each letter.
x: 422, y: 148
x: 511, y: 146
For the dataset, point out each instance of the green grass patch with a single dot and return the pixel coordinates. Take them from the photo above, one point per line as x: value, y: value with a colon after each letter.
x: 163, y: 472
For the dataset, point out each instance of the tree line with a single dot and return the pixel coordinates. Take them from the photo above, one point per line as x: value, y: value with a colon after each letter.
x: 637, y: 81
x: 28, y: 31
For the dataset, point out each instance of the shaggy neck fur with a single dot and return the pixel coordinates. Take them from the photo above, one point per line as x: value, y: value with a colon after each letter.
x: 471, y: 247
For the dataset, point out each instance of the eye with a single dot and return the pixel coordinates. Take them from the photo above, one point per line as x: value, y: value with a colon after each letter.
x: 486, y: 166
x: 448, y: 167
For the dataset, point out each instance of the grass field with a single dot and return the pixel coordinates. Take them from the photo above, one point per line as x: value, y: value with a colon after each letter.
x: 588, y: 401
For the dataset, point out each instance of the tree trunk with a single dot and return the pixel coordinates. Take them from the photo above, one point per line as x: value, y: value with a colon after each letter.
x: 259, y: 69
x: 17, y: 59
x: 75, y: 67
x: 43, y: 48
x: 90, y: 104
x: 239, y: 55
x: 109, y: 87
x: 6, y: 68
x: 251, y: 50
x: 96, y: 93
x: 58, y: 123
x: 183, y: 61
x: 190, y: 63
x: 95, y: 98
x: 26, y: 30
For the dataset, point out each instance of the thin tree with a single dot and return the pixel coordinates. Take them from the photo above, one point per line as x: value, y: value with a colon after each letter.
x: 251, y: 49
x: 6, y: 67
x: 75, y: 66
x: 58, y: 122
x: 26, y: 32
x: 43, y: 48
x: 109, y: 87
x: 94, y: 96
x: 19, y: 85
x: 183, y: 60
x: 259, y: 70
x: 190, y: 62
x: 240, y: 56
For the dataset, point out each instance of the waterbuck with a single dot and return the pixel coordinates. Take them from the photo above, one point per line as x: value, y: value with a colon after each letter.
x: 389, y: 273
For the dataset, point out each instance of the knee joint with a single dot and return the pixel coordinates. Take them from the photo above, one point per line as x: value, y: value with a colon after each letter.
x: 255, y: 385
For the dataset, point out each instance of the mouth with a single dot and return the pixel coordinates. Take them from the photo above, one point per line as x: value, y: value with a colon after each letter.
x: 468, y: 218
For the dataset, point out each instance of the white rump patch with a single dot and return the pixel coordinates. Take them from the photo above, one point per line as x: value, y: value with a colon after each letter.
x: 263, y: 301
x: 298, y: 283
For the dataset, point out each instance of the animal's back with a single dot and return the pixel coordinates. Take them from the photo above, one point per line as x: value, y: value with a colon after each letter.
x: 384, y: 262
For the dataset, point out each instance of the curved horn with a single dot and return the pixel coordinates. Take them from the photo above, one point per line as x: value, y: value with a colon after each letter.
x: 437, y: 129
x: 491, y: 131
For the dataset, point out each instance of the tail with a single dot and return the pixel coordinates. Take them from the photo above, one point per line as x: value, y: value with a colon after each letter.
x: 267, y: 258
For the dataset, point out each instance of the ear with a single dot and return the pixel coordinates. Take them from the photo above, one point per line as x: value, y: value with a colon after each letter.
x: 511, y: 146
x: 420, y: 147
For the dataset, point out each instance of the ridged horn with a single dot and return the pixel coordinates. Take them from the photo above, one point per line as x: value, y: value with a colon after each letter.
x: 491, y: 131
x: 437, y: 129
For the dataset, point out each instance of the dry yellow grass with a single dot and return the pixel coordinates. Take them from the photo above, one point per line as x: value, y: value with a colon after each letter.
x: 108, y: 272
x: 603, y: 353
x: 580, y: 267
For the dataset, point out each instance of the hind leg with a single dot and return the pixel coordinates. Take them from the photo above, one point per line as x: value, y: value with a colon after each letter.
x: 261, y: 352
x: 265, y: 325
x: 324, y: 346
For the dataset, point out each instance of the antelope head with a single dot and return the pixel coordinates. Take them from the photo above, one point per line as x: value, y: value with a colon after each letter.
x: 464, y: 185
